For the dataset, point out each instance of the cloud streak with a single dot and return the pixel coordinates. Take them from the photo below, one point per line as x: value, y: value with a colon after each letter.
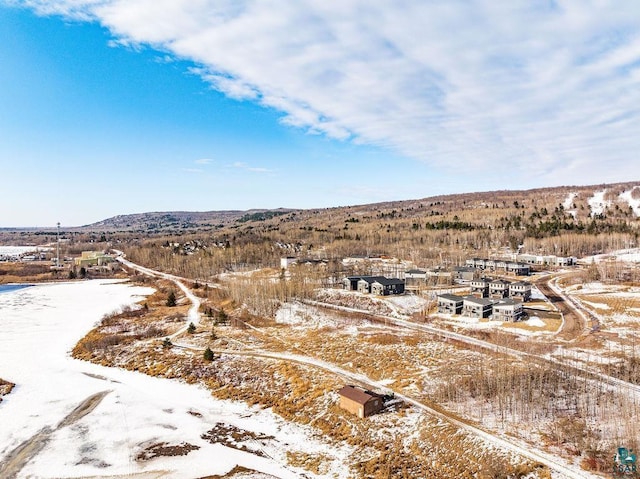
x: 548, y: 91
x: 253, y: 169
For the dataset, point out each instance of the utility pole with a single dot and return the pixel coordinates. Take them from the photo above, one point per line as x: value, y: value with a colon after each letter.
x: 58, y: 246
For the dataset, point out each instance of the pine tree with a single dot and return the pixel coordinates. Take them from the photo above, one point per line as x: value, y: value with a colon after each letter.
x: 191, y: 329
x: 208, y: 354
x: 171, y: 299
x: 166, y: 344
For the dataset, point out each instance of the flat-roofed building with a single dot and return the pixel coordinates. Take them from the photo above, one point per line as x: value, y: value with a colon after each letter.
x: 450, y: 304
x: 474, y: 307
x: 480, y: 287
x: 520, y: 290
x: 507, y: 310
x: 499, y: 288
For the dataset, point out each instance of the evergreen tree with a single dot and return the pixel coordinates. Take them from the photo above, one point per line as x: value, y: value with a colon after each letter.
x: 171, y: 299
x: 191, y: 329
x: 166, y: 344
x: 208, y: 354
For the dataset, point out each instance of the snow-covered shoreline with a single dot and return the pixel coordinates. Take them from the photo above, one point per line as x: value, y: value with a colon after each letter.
x: 39, y: 327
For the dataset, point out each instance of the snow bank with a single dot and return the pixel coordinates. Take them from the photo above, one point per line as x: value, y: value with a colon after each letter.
x: 41, y: 324
x: 535, y: 321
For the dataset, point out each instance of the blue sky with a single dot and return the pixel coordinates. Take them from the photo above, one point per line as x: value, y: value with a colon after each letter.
x: 121, y: 106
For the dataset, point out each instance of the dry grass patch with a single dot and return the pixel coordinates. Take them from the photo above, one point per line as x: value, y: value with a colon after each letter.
x: 5, y: 388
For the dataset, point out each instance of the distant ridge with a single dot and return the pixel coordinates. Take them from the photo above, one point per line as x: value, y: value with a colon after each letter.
x: 582, y: 202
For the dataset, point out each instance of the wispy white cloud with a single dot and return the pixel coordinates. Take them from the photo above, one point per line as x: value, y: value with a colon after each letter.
x: 549, y: 90
x: 243, y: 166
x: 203, y: 161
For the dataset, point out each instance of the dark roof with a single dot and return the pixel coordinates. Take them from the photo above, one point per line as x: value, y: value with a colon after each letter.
x: 415, y: 271
x: 371, y: 279
x: 388, y: 281
x: 450, y: 297
x: 467, y: 269
x: 355, y: 394
x: 506, y: 302
x: 480, y: 301
x: 500, y: 281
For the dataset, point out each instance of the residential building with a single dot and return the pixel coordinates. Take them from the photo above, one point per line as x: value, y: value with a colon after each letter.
x: 480, y: 287
x: 386, y: 286
x: 474, y: 307
x: 520, y: 290
x: 415, y: 278
x: 507, y: 310
x: 450, y: 304
x: 499, y: 288
x: 464, y: 273
x: 374, y: 284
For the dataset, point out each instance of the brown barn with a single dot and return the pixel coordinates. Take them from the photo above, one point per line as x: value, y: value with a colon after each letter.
x: 359, y: 401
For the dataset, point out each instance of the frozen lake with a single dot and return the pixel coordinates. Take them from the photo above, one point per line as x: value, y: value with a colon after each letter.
x: 38, y: 327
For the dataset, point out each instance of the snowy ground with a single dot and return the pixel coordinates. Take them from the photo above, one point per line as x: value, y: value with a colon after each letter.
x: 633, y: 202
x: 18, y: 250
x: 631, y: 255
x: 41, y: 324
x: 598, y: 203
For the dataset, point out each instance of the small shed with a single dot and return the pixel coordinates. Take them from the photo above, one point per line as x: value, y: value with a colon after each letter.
x: 359, y: 401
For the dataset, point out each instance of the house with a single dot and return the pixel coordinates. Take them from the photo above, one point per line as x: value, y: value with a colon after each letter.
x: 415, y: 278
x: 385, y: 286
x: 490, y: 264
x: 359, y: 401
x: 520, y: 290
x: 374, y: 284
x: 499, y: 288
x: 351, y: 283
x: 501, y: 265
x: 439, y: 276
x: 464, y: 273
x: 480, y: 287
x: 365, y: 282
x: 518, y: 269
x: 450, y: 304
x: 507, y: 310
x: 474, y: 307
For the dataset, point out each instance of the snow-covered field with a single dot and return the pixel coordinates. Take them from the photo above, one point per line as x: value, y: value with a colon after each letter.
x: 38, y: 327
x: 18, y: 250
